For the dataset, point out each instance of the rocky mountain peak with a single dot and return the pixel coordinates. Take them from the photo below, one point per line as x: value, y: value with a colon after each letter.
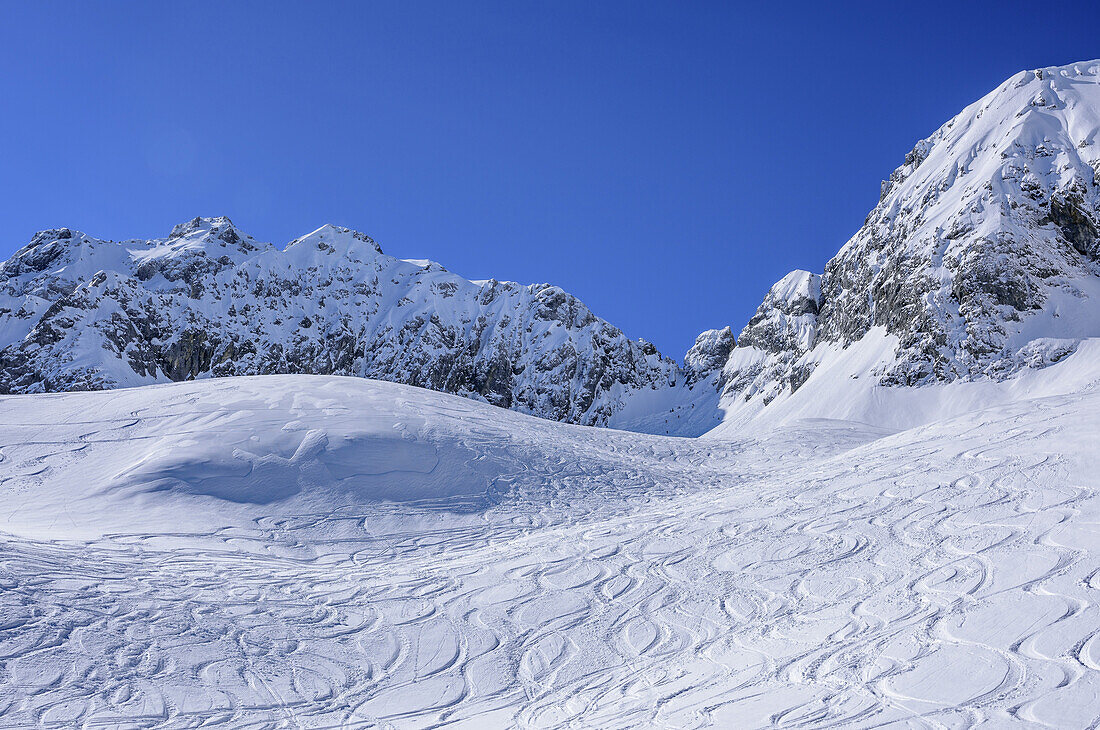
x: 787, y: 318
x: 709, y: 354
x: 796, y: 294
x: 217, y: 231
x: 59, y: 249
x: 984, y: 241
x: 200, y: 223
x: 337, y: 240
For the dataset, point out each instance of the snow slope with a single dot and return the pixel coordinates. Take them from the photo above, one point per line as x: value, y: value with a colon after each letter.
x: 317, y: 551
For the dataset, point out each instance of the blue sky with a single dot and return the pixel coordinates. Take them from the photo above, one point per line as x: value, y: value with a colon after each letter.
x: 666, y: 162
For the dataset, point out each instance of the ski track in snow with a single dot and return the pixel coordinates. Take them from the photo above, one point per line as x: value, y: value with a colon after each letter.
x: 825, y: 575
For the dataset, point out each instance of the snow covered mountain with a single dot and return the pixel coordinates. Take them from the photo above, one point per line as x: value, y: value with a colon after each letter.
x: 322, y: 551
x: 981, y: 261
x: 979, y: 265
x: 79, y: 313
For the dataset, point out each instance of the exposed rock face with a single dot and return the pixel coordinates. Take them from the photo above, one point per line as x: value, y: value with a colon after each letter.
x: 781, y: 332
x: 981, y: 258
x: 786, y: 319
x: 709, y: 353
x: 81, y: 313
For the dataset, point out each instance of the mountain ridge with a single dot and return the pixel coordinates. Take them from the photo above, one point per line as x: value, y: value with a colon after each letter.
x: 980, y: 263
x: 81, y: 313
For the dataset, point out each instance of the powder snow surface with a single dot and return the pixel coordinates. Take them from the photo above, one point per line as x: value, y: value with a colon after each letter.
x: 309, y: 551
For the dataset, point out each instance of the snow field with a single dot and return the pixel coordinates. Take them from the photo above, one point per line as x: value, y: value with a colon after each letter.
x: 296, y: 551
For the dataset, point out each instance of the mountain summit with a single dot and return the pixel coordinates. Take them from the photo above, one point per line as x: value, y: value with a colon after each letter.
x: 980, y: 261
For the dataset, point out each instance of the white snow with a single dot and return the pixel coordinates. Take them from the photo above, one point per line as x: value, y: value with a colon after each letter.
x: 307, y: 551
x: 798, y: 284
x: 843, y: 386
x: 321, y: 551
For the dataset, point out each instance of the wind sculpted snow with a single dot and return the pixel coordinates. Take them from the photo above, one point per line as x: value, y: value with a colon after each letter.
x: 309, y: 551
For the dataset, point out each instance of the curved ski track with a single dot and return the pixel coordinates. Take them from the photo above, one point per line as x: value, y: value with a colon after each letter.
x: 828, y: 576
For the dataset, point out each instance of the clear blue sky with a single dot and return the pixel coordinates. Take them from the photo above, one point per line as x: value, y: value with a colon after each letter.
x: 666, y: 162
